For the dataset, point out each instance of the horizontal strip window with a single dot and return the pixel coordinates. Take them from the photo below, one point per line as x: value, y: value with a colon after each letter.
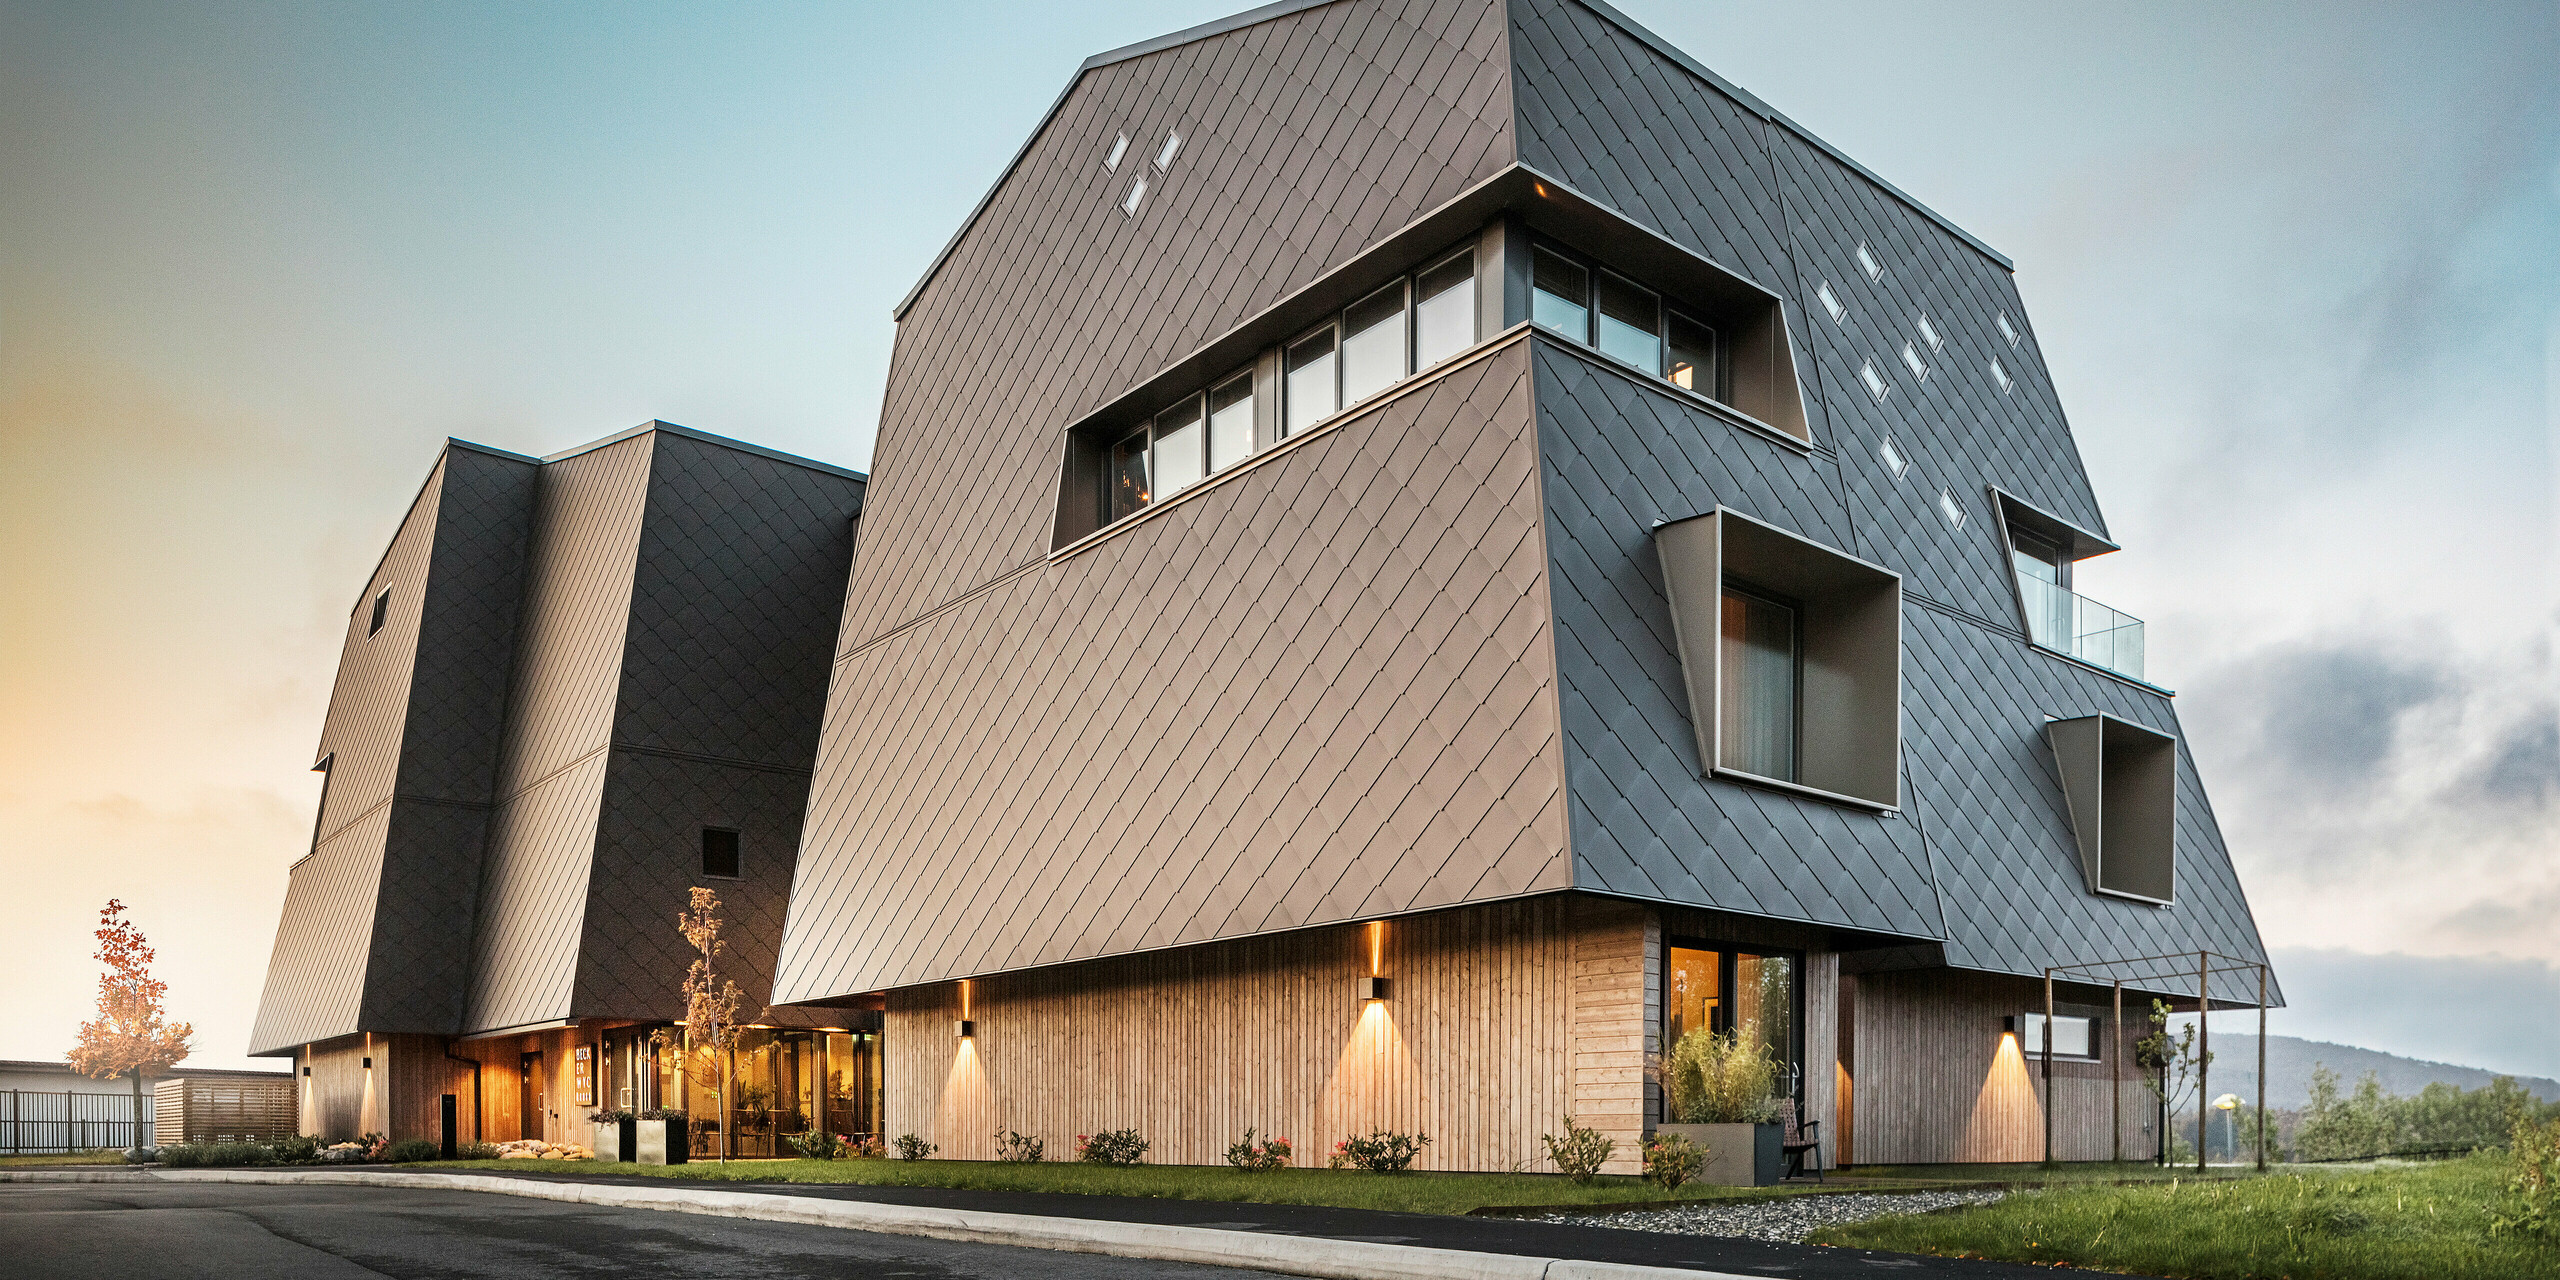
x: 1639, y: 328
x: 1409, y: 325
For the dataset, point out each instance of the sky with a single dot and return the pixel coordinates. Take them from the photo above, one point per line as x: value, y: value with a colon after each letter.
x: 2297, y: 269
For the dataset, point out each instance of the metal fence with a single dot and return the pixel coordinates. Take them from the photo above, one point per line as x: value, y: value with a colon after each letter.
x: 47, y: 1122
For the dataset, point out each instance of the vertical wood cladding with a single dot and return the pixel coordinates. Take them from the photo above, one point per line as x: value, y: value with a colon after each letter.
x: 1192, y: 1047
x: 1937, y: 1082
x: 1615, y: 982
x: 1306, y: 139
x: 1317, y: 689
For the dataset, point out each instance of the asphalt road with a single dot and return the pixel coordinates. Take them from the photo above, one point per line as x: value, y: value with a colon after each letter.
x: 135, y: 1231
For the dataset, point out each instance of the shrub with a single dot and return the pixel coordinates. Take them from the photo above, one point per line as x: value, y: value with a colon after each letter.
x: 911, y: 1147
x: 1729, y: 1079
x: 610, y: 1117
x: 1020, y: 1148
x: 301, y: 1148
x: 1258, y: 1157
x: 215, y: 1155
x: 477, y: 1151
x: 2532, y: 1204
x: 1117, y: 1146
x: 1580, y: 1152
x: 866, y: 1147
x: 664, y: 1113
x: 413, y: 1150
x: 1670, y: 1160
x: 1380, y: 1151
x: 142, y: 1155
x: 816, y: 1145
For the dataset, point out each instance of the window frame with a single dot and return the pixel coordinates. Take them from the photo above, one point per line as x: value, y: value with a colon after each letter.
x: 1666, y: 309
x: 1119, y: 151
x: 381, y: 614
x: 1911, y: 360
x: 1831, y: 303
x: 1167, y: 153
x: 1401, y: 285
x: 1475, y: 307
x: 1332, y: 324
x: 1130, y: 203
x: 1929, y: 331
x: 1728, y: 955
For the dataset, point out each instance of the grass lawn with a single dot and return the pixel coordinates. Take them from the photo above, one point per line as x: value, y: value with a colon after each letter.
x: 2412, y: 1220
x: 103, y: 1155
x: 2078, y: 1171
x: 1349, y: 1189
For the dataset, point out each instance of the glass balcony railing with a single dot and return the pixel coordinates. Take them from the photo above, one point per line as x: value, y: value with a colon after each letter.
x: 2068, y: 622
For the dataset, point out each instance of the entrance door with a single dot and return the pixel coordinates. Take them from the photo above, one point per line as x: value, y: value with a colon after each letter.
x: 531, y: 1096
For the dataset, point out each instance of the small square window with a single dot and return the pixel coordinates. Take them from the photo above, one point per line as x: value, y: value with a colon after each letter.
x: 1165, y: 154
x: 1119, y: 148
x: 2000, y: 374
x: 719, y: 853
x: 1867, y: 263
x: 1911, y: 360
x: 381, y: 610
x: 1876, y: 385
x: 2008, y: 330
x: 1137, y: 192
x: 1831, y: 303
x: 1893, y: 459
x: 1953, y: 509
x: 1929, y: 332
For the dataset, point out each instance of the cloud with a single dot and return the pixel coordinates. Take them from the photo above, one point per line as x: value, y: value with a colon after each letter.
x: 2492, y: 1012
x: 2329, y: 715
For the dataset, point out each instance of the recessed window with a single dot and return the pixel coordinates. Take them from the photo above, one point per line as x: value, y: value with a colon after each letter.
x: 1929, y: 332
x: 1893, y: 459
x: 1127, y: 484
x: 2007, y: 330
x: 1231, y: 421
x: 1137, y: 192
x: 1373, y: 344
x: 1867, y: 263
x: 1119, y: 148
x: 1831, y: 303
x: 1444, y: 310
x: 1559, y: 295
x: 381, y: 611
x: 1181, y: 449
x: 2000, y: 374
x: 1949, y: 507
x: 1165, y: 154
x: 719, y: 853
x: 1911, y: 360
x: 1690, y: 362
x: 1630, y: 325
x: 1876, y: 385
x: 2074, y: 1037
x: 1309, y: 386
x: 1790, y: 652
x: 2120, y: 781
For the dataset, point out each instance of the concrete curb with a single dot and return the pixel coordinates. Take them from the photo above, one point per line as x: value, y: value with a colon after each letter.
x: 1249, y: 1250
x: 74, y: 1175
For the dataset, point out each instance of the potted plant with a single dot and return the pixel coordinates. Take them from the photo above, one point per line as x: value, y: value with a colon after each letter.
x: 1721, y: 1093
x: 617, y: 1135
x: 663, y: 1136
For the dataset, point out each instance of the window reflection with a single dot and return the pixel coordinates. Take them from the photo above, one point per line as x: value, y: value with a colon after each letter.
x: 1630, y: 325
x: 1373, y: 344
x: 1444, y: 311
x: 1231, y: 422
x: 1559, y: 295
x: 1310, y: 388
x: 1181, y: 449
x: 1722, y: 990
x: 1128, y: 479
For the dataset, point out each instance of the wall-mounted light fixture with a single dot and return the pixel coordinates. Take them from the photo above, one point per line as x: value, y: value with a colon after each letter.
x: 963, y: 1028
x: 368, y: 1064
x: 1370, y: 988
x: 306, y: 1073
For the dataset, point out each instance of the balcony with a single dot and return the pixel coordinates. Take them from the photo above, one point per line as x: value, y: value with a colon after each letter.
x: 2068, y: 622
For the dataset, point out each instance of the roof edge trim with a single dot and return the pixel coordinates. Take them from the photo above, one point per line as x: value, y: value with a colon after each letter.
x: 726, y: 442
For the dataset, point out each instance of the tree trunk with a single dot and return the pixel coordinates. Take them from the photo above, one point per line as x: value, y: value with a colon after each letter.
x: 133, y: 1154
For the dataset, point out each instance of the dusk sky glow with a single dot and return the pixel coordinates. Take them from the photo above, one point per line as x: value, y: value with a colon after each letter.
x: 2296, y: 269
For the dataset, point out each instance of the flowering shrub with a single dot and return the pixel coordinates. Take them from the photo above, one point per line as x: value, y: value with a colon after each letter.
x: 1379, y: 1151
x: 816, y: 1145
x: 1670, y: 1160
x: 1119, y: 1146
x: 1022, y: 1148
x: 1257, y: 1157
x: 866, y: 1147
x: 1580, y: 1152
x: 911, y: 1147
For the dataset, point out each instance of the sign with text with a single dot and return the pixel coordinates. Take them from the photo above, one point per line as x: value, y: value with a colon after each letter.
x: 584, y: 1072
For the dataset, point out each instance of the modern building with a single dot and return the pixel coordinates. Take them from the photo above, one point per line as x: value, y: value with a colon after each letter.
x: 1479, y: 503
x: 1488, y: 550
x: 573, y: 688
x: 51, y: 1106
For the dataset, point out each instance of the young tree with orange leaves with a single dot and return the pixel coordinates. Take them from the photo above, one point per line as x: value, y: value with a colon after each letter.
x: 711, y: 1003
x: 131, y: 1034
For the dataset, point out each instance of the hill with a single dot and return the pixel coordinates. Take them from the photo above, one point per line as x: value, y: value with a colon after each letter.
x: 2290, y: 1059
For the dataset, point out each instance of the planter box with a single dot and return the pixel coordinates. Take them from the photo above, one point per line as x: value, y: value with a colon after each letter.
x: 1738, y: 1155
x: 617, y: 1140
x: 660, y: 1142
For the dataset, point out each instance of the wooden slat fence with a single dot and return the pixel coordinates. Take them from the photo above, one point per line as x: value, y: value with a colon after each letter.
x: 224, y: 1110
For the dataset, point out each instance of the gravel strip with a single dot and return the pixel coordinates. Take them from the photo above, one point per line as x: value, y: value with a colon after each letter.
x: 1783, y: 1221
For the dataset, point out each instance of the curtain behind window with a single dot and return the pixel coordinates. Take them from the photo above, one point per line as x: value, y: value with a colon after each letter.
x: 1758, y: 701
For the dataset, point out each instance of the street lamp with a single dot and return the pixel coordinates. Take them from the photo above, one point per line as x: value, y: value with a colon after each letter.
x: 2226, y: 1104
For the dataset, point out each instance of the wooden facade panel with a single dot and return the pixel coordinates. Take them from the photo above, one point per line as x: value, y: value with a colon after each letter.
x: 1938, y: 1081
x: 1193, y: 1047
